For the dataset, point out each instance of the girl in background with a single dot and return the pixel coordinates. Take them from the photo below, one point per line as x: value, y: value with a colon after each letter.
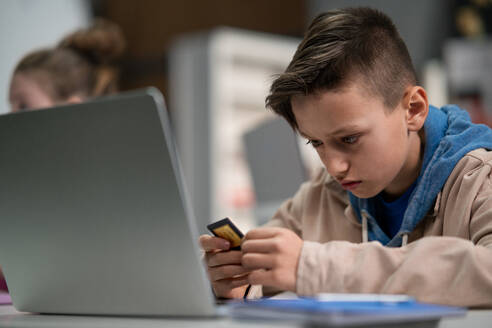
x: 81, y: 66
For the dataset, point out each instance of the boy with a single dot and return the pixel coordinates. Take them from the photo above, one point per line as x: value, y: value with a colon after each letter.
x: 404, y: 204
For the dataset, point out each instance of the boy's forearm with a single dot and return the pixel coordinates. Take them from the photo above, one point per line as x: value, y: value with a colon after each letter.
x: 443, y: 270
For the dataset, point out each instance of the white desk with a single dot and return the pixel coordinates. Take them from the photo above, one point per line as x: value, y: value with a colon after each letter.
x: 9, y: 317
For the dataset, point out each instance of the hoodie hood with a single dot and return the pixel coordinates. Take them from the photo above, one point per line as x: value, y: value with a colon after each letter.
x: 449, y: 136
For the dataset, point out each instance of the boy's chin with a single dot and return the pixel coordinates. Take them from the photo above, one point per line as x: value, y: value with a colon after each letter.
x: 364, y: 194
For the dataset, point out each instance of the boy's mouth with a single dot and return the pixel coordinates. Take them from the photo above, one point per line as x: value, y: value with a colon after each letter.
x: 350, y: 185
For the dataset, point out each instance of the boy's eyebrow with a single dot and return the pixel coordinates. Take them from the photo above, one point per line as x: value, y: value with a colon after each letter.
x: 303, y: 134
x: 344, y: 129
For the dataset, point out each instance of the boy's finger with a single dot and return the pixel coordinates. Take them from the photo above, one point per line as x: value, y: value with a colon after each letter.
x: 210, y: 243
x: 261, y: 277
x: 226, y: 272
x: 262, y: 233
x: 257, y: 261
x: 223, y: 258
x: 239, y: 281
x: 224, y: 286
x: 259, y: 246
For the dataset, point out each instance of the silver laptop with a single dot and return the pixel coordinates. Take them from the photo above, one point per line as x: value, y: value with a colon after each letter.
x: 94, y: 218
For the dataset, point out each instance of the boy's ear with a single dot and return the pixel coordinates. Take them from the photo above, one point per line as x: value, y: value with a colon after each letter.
x: 417, y: 107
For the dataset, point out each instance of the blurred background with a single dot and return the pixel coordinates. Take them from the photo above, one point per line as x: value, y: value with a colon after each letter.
x: 214, y: 60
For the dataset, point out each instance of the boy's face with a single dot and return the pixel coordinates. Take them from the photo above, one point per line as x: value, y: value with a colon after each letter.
x: 366, y: 148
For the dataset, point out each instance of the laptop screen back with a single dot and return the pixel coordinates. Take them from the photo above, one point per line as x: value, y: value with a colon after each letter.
x: 94, y: 218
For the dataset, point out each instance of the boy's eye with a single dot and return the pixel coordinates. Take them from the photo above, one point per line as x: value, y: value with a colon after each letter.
x: 350, y: 139
x: 314, y: 143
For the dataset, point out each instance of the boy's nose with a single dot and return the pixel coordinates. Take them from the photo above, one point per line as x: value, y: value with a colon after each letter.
x: 336, y: 165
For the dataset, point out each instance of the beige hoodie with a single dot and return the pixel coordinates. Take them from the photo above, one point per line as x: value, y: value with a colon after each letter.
x: 448, y: 258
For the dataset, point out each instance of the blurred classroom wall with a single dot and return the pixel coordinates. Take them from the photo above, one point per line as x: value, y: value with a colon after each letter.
x: 152, y: 26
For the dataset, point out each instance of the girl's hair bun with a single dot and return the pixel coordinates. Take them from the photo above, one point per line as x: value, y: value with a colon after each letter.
x: 101, y: 43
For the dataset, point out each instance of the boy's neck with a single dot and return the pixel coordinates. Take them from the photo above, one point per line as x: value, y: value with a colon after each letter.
x: 411, y: 169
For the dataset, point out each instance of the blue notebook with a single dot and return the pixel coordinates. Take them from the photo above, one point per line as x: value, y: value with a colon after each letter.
x: 344, y: 312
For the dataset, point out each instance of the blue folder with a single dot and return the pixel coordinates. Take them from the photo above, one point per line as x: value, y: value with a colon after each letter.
x: 344, y: 313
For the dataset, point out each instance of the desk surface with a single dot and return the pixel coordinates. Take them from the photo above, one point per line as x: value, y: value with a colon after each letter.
x: 9, y: 317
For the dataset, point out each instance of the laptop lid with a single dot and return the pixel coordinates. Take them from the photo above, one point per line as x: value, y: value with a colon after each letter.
x: 94, y: 218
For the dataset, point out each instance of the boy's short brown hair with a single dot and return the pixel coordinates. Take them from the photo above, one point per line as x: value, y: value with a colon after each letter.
x: 340, y: 46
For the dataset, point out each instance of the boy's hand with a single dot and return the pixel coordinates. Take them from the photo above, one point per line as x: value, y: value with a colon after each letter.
x: 228, y: 277
x: 273, y: 254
